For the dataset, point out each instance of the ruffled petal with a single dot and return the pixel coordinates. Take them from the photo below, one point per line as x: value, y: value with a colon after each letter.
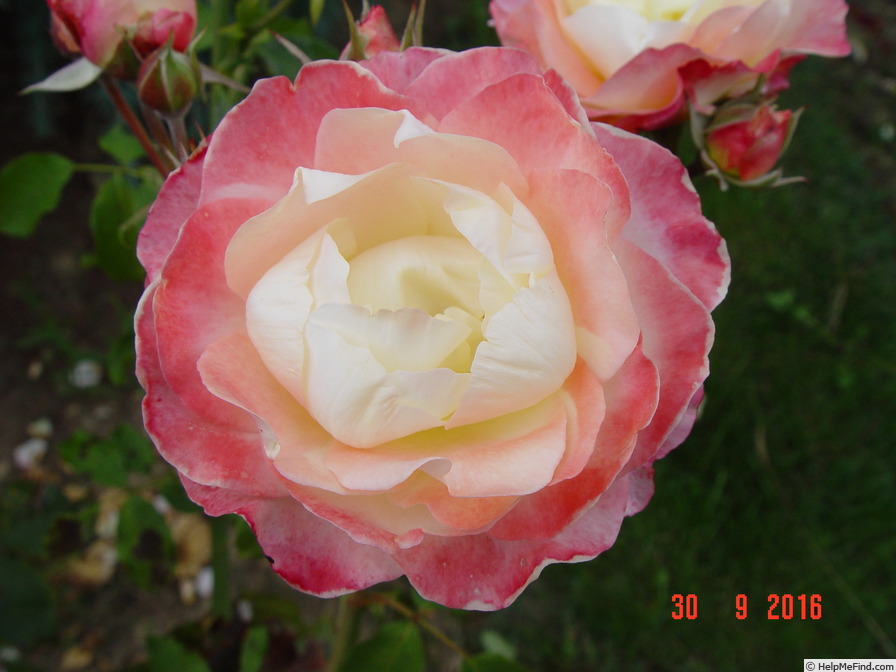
x: 666, y: 220
x: 306, y: 551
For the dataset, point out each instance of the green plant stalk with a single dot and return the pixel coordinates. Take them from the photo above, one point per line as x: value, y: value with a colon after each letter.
x: 221, y: 566
x: 134, y: 124
x: 414, y: 616
x: 343, y: 631
x: 178, y: 131
x: 216, y: 22
x: 157, y: 130
x: 106, y: 168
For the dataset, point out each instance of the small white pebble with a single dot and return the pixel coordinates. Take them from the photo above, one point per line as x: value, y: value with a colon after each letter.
x: 35, y: 368
x: 205, y: 582
x: 244, y: 611
x: 86, y: 373
x: 161, y: 505
x: 9, y: 654
x: 42, y: 428
x: 27, y: 455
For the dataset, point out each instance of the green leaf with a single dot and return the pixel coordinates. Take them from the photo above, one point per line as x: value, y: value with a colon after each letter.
x: 397, y: 647
x: 144, y: 540
x: 30, y: 187
x: 317, y: 6
x: 255, y: 646
x: 492, y: 642
x: 491, y: 662
x: 167, y: 654
x: 28, y: 614
x: 74, y: 76
x: 121, y: 145
x: 108, y: 461
x: 118, y: 211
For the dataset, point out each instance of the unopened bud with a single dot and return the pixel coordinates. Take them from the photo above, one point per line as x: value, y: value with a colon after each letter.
x: 746, y: 141
x: 369, y: 36
x: 168, y: 81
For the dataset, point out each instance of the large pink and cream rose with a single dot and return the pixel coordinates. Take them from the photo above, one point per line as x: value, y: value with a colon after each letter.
x: 116, y: 34
x: 634, y: 62
x: 415, y: 315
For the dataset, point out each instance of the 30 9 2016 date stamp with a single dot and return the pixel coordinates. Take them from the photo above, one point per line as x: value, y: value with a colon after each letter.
x: 783, y: 606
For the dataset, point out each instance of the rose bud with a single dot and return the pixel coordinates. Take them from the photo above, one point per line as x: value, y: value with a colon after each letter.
x: 744, y: 142
x: 117, y: 35
x: 168, y: 81
x: 370, y: 35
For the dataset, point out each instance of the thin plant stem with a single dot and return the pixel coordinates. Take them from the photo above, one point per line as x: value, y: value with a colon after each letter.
x: 106, y: 168
x: 221, y: 566
x: 157, y: 129
x: 216, y: 21
x: 134, y: 124
x: 412, y: 615
x: 181, y: 142
x: 343, y: 628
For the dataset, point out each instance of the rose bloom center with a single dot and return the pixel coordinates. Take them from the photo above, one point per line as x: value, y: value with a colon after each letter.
x: 404, y: 302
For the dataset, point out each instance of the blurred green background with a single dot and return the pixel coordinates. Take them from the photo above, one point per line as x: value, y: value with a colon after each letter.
x: 787, y: 485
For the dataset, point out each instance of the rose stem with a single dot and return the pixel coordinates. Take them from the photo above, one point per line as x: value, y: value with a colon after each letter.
x: 220, y: 567
x: 412, y: 615
x: 343, y: 627
x: 157, y: 129
x: 178, y: 131
x: 131, y: 120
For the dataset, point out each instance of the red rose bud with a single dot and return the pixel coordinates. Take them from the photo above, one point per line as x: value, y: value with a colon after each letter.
x: 369, y: 36
x: 168, y: 81
x: 746, y: 141
x: 117, y: 35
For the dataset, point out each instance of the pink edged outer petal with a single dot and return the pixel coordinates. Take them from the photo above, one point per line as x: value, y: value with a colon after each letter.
x: 229, y: 455
x: 456, y: 77
x: 803, y: 26
x: 677, y: 335
x: 256, y: 148
x: 631, y: 398
x: 259, y: 144
x: 175, y: 203
x: 371, y: 519
x: 719, y: 25
x: 397, y: 70
x: 646, y: 92
x: 706, y: 83
x: 482, y: 573
x: 254, y: 389
x: 360, y: 141
x: 533, y: 25
x: 567, y: 96
x: 192, y: 308
x: 307, y: 552
x: 538, y: 132
x: 640, y: 489
x: 680, y: 432
x: 572, y: 209
x: 667, y: 221
x: 586, y: 409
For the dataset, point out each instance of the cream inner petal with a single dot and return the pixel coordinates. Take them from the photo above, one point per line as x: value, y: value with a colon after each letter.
x: 389, y: 321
